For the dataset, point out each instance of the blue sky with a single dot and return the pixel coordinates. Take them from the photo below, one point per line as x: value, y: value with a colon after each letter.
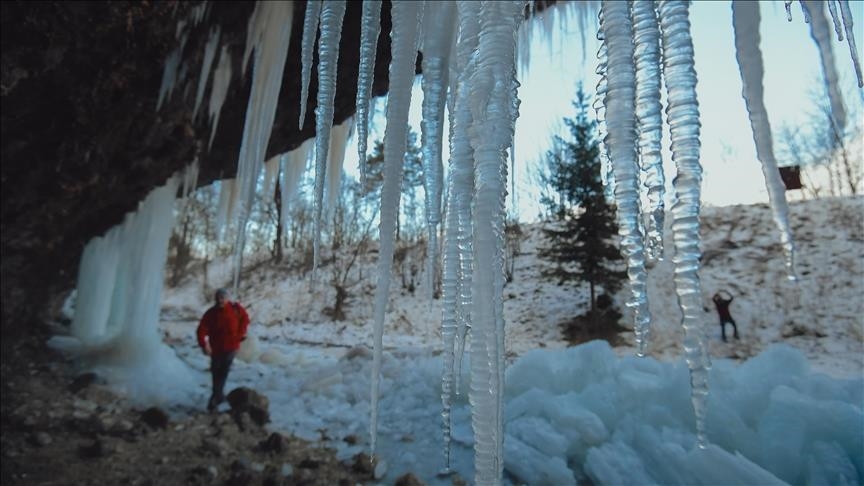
x: 732, y: 174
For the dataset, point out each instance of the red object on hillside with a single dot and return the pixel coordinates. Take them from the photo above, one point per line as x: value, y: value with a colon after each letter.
x: 224, y: 326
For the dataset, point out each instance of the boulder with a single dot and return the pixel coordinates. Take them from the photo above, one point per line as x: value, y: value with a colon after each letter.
x: 155, y: 417
x: 247, y: 400
x: 408, y: 479
x: 275, y: 443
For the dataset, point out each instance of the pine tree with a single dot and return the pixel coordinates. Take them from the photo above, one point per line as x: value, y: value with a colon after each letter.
x: 581, y: 234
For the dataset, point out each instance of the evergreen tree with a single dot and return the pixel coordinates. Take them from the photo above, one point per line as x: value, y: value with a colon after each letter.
x: 581, y: 235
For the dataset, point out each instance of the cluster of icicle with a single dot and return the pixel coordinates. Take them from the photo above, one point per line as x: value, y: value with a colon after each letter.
x: 469, y: 67
x: 635, y: 38
x: 118, y: 293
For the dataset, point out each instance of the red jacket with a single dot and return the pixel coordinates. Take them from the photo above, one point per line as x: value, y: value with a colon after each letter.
x: 224, y: 327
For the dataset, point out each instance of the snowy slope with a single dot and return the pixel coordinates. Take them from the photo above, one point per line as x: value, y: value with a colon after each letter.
x: 821, y: 316
x: 791, y: 414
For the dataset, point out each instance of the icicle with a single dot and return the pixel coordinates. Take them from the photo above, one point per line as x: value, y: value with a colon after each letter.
x: 222, y: 209
x: 788, y: 5
x: 494, y: 106
x: 436, y: 62
x: 338, y: 143
x: 97, y: 272
x: 820, y: 32
x: 457, y: 268
x: 838, y: 26
x: 169, y: 77
x: 310, y: 31
x: 462, y: 178
x: 646, y: 36
x: 293, y: 166
x: 370, y: 28
x: 405, y: 35
x: 606, y: 175
x: 332, y: 13
x: 219, y: 90
x: 271, y: 168
x: 805, y: 12
x: 846, y: 13
x: 746, y: 19
x: 209, y: 55
x: 270, y: 33
x: 682, y: 116
x: 190, y: 178
x: 620, y: 144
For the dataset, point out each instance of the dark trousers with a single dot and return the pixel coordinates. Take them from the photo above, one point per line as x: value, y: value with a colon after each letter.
x: 219, y: 367
x: 723, y: 327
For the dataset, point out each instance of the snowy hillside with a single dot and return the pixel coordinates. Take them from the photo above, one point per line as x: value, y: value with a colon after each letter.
x: 589, y: 412
x: 821, y: 316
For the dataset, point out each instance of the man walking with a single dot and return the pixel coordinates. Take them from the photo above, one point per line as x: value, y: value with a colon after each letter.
x: 220, y: 332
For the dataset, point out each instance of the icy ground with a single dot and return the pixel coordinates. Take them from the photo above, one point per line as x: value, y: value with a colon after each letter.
x: 792, y: 413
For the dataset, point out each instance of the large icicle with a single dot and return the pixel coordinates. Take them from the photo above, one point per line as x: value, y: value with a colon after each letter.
x: 620, y: 144
x: 293, y: 166
x: 458, y: 228
x: 494, y: 108
x: 846, y: 13
x: 209, y: 56
x: 457, y: 266
x: 117, y: 313
x: 219, y: 90
x: 820, y: 31
x: 270, y: 34
x: 404, y: 40
x: 682, y: 116
x: 310, y: 30
x: 332, y: 14
x: 835, y: 18
x: 437, y: 43
x: 646, y: 37
x: 169, y: 76
x: 745, y: 20
x: 370, y: 29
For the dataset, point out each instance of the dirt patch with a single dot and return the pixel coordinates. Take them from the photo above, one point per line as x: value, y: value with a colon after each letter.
x: 59, y: 428
x: 601, y: 324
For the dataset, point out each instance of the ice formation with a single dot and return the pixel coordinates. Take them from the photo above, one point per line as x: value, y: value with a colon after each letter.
x: 268, y: 37
x: 119, y: 292
x: 745, y: 19
x: 821, y: 34
x: 293, y: 165
x: 310, y: 31
x: 332, y: 14
x: 646, y: 39
x: 480, y: 93
x: 407, y: 17
x: 338, y: 143
x: 209, y: 56
x: 437, y: 43
x: 682, y: 116
x: 370, y: 29
x: 620, y: 142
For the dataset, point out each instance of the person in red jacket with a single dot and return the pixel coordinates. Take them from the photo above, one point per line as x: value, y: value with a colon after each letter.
x: 220, y: 332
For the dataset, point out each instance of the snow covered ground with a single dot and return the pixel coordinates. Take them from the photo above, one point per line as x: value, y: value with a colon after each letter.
x: 792, y: 413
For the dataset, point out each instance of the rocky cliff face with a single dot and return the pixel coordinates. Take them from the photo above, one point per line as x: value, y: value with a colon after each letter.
x: 83, y: 143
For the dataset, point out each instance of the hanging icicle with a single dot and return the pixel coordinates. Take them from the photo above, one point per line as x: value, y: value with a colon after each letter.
x: 370, y: 29
x: 620, y: 142
x: 270, y: 32
x: 436, y: 61
x: 338, y: 144
x: 682, y: 116
x: 646, y: 38
x: 219, y: 90
x: 332, y: 14
x: 209, y: 56
x: 846, y: 14
x: 820, y: 31
x: 457, y: 268
x: 746, y: 19
x: 494, y: 108
x: 407, y: 18
x: 310, y: 31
